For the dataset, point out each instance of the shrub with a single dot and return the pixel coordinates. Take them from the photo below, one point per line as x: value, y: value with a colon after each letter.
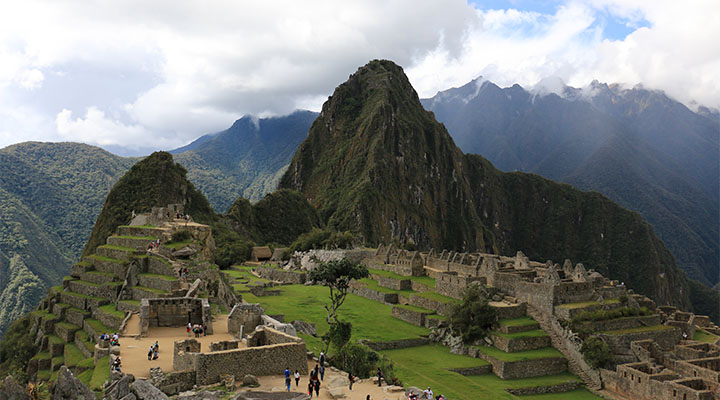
x: 362, y: 362
x: 321, y: 239
x: 180, y: 236
x: 231, y: 253
x: 339, y: 334
x: 596, y: 352
x: 473, y: 317
x: 17, y: 348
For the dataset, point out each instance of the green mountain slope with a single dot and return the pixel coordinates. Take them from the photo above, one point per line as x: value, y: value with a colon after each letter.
x: 154, y: 181
x: 245, y: 160
x: 377, y: 164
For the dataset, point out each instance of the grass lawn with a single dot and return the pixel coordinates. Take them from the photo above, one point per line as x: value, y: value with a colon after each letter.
x: 438, y: 297
x: 98, y: 326
x: 136, y: 237
x: 702, y: 336
x: 108, y: 259
x: 86, y: 376
x: 547, y: 352
x: 428, y: 365
x: 42, y: 356
x: 100, y: 374
x: 572, y: 306
x: 638, y: 330
x: 371, y: 320
x: 522, y: 321
x: 73, y: 356
x: 110, y: 309
x: 120, y: 248
x: 518, y: 335
x: 55, y: 339
x: 414, y: 308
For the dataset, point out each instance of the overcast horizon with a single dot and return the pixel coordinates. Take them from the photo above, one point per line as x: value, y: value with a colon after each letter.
x: 136, y: 77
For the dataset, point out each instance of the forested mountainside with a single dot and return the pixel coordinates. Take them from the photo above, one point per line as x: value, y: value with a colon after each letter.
x: 245, y: 160
x: 50, y: 194
x: 377, y: 164
x: 640, y: 148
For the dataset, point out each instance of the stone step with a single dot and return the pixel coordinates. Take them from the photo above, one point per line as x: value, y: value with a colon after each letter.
x: 515, y: 325
x: 82, y: 301
x: 59, y: 309
x: 143, y: 231
x: 116, y: 252
x: 107, y: 264
x: 526, y: 364
x: 521, y: 341
x: 107, y: 290
x: 98, y: 277
x: 569, y: 310
x: 66, y: 331
x: 129, y: 306
x: 80, y: 267
x: 135, y: 242
x: 160, y: 265
x: 156, y: 281
x: 509, y: 311
x: 411, y: 314
x: 140, y: 292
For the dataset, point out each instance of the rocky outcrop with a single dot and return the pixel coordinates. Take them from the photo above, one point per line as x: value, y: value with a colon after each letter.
x: 144, y: 390
x: 69, y: 387
x: 11, y: 390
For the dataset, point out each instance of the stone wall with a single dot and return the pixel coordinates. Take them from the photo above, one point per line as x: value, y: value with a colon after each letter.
x: 284, y: 276
x: 430, y: 304
x: 411, y: 316
x: 636, y: 382
x: 397, y: 344
x: 537, y: 390
x: 666, y: 339
x: 224, y: 345
x: 108, y: 319
x: 360, y: 290
x: 511, y: 345
x: 244, y: 317
x: 573, y: 292
x: 158, y: 265
x: 174, y: 312
x: 621, y: 323
x: 524, y: 368
x: 706, y: 368
x: 470, y: 371
x: 453, y: 285
x: 172, y: 383
x: 155, y: 282
x: 392, y: 283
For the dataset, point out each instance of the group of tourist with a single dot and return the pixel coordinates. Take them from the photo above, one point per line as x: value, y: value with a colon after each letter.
x: 153, y: 351
x: 154, y: 244
x: 114, y: 338
x: 427, y: 394
x: 116, y: 364
x: 197, y: 329
x: 183, y: 272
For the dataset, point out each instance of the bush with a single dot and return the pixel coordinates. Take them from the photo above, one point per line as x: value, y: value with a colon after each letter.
x: 321, y: 239
x: 604, y: 315
x: 473, y: 317
x: 339, y: 334
x: 362, y: 362
x: 596, y: 352
x: 180, y: 236
x: 231, y: 253
x: 16, y: 349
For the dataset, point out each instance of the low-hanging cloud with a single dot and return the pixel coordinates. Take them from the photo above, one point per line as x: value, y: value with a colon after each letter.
x: 196, y: 66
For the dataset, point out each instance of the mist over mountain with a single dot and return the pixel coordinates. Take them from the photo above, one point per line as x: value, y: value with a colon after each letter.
x: 245, y: 160
x: 639, y: 147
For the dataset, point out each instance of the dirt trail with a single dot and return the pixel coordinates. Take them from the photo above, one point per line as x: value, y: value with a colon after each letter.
x: 133, y: 352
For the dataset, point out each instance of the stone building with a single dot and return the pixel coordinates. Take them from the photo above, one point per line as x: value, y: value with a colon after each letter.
x: 174, y: 312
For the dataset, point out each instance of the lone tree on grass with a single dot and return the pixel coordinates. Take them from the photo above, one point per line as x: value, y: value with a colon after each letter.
x: 337, y: 275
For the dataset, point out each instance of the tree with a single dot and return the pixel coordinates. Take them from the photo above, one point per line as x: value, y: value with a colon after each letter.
x: 473, y: 317
x: 337, y: 275
x: 596, y: 352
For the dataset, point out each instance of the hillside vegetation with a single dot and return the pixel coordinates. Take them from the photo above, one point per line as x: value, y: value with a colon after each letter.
x: 377, y: 164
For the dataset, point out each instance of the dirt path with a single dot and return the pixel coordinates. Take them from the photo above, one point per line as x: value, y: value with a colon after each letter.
x: 133, y: 352
x: 360, y: 389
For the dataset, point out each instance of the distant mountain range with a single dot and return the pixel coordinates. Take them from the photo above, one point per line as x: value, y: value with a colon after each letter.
x: 245, y: 160
x: 640, y: 148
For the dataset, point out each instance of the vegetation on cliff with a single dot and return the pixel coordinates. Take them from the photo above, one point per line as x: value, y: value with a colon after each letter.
x: 375, y: 163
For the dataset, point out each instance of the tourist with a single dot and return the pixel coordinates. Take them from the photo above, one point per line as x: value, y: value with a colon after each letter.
x: 322, y: 372
x: 351, y: 378
x: 317, y: 388
x: 116, y: 364
x: 428, y: 393
x: 379, y: 376
x: 368, y: 397
x: 156, y: 346
x: 287, y: 378
x: 204, y: 329
x: 322, y: 358
x: 189, y: 326
x: 310, y: 387
x: 151, y: 350
x: 297, y: 378
x: 317, y: 371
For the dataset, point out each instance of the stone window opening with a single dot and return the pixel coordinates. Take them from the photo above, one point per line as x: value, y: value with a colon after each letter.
x: 674, y: 392
x: 639, y: 379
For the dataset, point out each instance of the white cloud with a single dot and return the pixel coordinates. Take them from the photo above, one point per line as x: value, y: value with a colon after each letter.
x: 212, y: 62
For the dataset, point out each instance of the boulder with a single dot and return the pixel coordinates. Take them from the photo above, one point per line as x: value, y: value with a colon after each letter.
x: 184, y: 252
x: 250, y: 380
x: 10, y: 389
x: 336, y: 393
x: 338, y: 381
x: 119, y: 388
x: 129, y: 396
x: 144, y: 390
x: 193, y: 288
x: 304, y: 327
x: 69, y: 387
x: 393, y: 389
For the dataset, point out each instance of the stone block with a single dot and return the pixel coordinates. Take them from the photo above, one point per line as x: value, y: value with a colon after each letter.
x: 512, y: 345
x: 392, y: 283
x: 414, y: 317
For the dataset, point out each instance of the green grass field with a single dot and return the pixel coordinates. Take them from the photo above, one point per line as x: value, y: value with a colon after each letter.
x: 702, y: 336
x: 638, y: 330
x: 547, y: 352
x: 518, y: 335
x: 100, y: 374
x: 522, y: 321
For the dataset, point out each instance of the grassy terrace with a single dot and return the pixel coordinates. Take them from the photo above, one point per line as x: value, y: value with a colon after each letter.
x: 371, y: 320
x: 547, y: 352
x: 372, y: 284
x: 114, y: 247
x: 106, y: 259
x: 75, y: 309
x: 522, y: 321
x: 572, y: 306
x: 101, y: 273
x: 98, y: 326
x: 438, y: 297
x: 55, y: 339
x: 159, y: 276
x: 414, y: 308
x: 68, y: 326
x: 84, y: 296
x: 73, y: 356
x: 42, y: 356
x: 86, y: 341
x: 100, y: 374
x: 132, y: 302
x: 110, y: 309
x: 135, y: 238
x: 638, y: 330
x: 429, y: 365
x: 151, y: 290
x: 702, y: 336
x: 520, y: 335
x: 425, y: 280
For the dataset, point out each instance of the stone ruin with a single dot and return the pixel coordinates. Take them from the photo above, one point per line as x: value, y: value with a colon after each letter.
x: 174, y: 312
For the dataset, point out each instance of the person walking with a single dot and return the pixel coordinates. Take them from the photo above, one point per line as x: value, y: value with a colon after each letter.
x: 150, y: 353
x: 322, y: 372
x: 428, y: 393
x: 287, y: 378
x: 297, y: 378
x: 310, y: 388
x: 189, y: 326
x: 351, y: 378
x: 321, y: 359
x: 379, y: 376
x: 317, y: 388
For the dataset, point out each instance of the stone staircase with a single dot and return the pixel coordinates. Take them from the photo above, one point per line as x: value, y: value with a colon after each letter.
x: 574, y: 358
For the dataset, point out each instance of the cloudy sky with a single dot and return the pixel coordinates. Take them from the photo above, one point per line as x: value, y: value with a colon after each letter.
x: 137, y: 75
